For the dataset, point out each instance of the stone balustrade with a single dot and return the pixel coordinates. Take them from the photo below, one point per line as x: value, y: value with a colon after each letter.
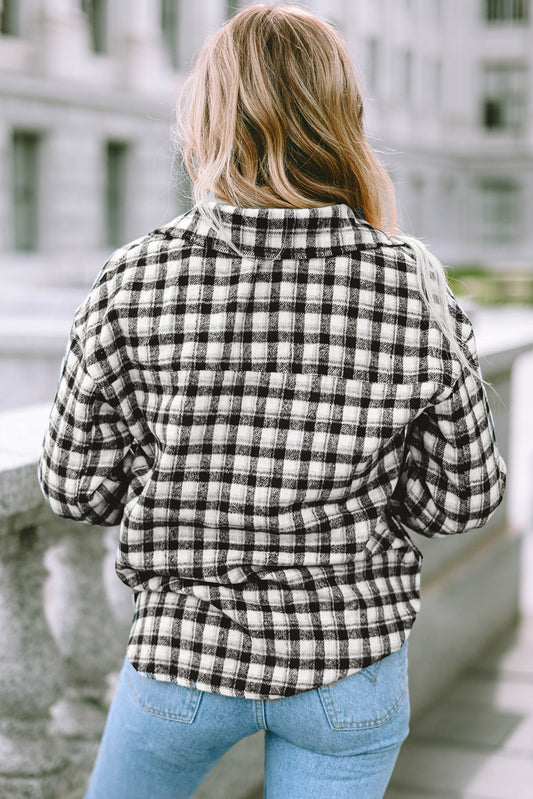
x: 64, y: 619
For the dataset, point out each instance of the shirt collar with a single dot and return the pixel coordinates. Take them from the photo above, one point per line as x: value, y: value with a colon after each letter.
x: 275, y: 232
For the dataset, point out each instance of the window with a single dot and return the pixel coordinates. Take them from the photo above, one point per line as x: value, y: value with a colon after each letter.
x: 96, y: 11
x: 447, y: 205
x: 25, y: 183
x: 9, y: 18
x: 504, y: 97
x: 372, y: 58
x: 406, y: 75
x: 433, y: 80
x: 500, y: 216
x: 507, y: 10
x: 183, y: 183
x: 232, y: 6
x: 169, y: 28
x: 115, y: 192
x: 417, y: 202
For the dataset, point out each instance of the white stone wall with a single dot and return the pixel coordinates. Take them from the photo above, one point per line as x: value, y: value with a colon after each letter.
x: 433, y: 145
x: 52, y: 83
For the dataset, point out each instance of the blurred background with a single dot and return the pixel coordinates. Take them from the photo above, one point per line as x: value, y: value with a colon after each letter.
x: 87, y: 90
x: 87, y: 163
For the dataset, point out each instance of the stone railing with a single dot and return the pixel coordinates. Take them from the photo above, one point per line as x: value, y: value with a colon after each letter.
x: 64, y: 619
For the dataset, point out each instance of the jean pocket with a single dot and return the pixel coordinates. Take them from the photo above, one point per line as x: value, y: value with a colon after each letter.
x: 368, y: 698
x: 166, y: 700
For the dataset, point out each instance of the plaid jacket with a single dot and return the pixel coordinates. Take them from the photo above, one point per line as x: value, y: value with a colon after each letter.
x: 268, y: 429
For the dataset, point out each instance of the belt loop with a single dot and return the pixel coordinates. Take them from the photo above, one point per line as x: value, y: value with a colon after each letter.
x: 260, y: 714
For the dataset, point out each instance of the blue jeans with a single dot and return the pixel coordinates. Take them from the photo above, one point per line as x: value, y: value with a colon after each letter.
x: 161, y: 739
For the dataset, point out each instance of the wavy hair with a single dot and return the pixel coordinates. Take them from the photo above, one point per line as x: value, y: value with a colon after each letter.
x: 271, y: 115
x: 274, y: 118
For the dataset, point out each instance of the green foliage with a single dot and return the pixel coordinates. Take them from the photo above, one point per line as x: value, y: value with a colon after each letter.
x: 488, y: 287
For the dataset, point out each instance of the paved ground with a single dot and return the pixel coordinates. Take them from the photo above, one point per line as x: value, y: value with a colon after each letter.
x: 477, y: 741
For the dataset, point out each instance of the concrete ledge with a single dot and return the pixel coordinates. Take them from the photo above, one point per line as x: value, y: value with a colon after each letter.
x: 461, y: 613
x: 21, y: 435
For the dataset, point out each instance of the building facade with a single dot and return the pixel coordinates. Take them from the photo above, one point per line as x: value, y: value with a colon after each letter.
x: 87, y: 91
x: 449, y: 101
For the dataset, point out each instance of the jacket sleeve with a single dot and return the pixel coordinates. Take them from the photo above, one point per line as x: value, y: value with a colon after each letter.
x: 453, y: 476
x: 85, y: 463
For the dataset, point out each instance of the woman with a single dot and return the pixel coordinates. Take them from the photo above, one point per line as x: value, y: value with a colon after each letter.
x: 270, y: 394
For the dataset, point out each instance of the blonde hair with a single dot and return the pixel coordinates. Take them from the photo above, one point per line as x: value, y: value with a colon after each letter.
x: 271, y: 115
x: 274, y: 118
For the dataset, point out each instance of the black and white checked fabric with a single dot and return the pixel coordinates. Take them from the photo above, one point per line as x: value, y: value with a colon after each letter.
x: 268, y: 429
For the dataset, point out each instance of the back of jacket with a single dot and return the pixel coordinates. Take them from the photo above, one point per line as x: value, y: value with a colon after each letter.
x: 267, y: 409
